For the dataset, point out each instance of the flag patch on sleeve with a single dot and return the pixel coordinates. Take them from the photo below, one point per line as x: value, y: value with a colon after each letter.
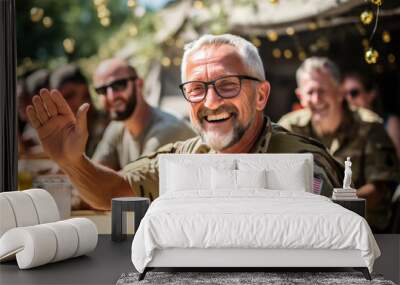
x: 317, y: 185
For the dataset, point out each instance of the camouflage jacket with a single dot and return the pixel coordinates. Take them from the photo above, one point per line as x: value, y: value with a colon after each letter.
x: 361, y: 136
x: 142, y: 174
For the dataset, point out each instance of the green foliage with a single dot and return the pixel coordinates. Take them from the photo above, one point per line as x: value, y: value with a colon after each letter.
x: 131, y: 34
x: 73, y: 19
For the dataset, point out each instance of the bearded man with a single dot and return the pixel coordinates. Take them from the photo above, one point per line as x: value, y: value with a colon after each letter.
x: 137, y: 128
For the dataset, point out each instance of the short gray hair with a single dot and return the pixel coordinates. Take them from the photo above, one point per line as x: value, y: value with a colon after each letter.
x: 247, y: 51
x: 318, y: 64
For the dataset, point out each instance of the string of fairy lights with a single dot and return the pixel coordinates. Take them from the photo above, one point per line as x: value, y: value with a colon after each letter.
x: 371, y: 55
x: 172, y: 47
x: 367, y: 17
x: 103, y: 13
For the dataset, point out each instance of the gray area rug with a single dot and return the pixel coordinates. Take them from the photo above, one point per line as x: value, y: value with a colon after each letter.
x: 229, y: 278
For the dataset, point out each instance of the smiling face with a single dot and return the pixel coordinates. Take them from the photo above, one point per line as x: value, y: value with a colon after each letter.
x: 223, y: 122
x: 322, y: 95
x: 119, y: 98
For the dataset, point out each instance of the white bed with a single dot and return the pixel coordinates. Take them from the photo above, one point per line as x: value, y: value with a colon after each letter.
x: 266, y: 218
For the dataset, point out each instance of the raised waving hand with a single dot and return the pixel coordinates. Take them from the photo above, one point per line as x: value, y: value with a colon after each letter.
x: 63, y: 136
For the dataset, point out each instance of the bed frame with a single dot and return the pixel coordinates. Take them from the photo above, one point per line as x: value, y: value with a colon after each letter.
x: 246, y: 259
x: 240, y: 259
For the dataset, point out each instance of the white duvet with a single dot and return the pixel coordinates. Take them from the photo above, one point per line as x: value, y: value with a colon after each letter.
x: 253, y: 218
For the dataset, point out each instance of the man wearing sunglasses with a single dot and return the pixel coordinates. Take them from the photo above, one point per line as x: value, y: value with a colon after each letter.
x: 358, y: 134
x: 224, y: 83
x: 137, y: 128
x: 360, y: 91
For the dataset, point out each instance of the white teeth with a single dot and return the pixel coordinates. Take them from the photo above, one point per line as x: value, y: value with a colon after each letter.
x: 119, y: 104
x: 218, y: 117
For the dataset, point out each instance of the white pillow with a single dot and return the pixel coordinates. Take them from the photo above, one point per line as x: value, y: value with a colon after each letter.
x: 187, y: 176
x: 281, y: 175
x: 223, y: 179
x: 236, y: 179
x: 292, y: 181
x: 251, y: 178
x: 181, y: 177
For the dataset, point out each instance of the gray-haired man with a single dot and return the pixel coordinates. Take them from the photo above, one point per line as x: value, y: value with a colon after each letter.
x: 224, y: 83
x: 358, y: 134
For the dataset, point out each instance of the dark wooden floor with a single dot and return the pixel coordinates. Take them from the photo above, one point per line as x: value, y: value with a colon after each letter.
x: 389, y: 262
x: 106, y: 264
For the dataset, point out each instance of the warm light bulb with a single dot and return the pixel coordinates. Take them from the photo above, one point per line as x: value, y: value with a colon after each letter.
x: 371, y: 56
x: 377, y: 2
x: 386, y: 38
x: 103, y: 13
x: 272, y: 35
x: 47, y: 22
x: 276, y: 52
x: 366, y: 17
x: 98, y: 2
x: 287, y: 53
x: 69, y: 45
x: 105, y: 22
x: 166, y: 61
x: 290, y: 31
x: 131, y: 3
x: 256, y: 41
x: 312, y: 26
x: 36, y: 14
x: 198, y: 4
x: 391, y: 58
x: 302, y: 56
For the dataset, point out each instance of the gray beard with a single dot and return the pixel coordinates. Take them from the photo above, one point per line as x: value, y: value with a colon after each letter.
x: 220, y: 142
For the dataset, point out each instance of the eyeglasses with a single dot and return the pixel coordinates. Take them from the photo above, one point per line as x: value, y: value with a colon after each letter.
x: 354, y: 92
x: 225, y: 87
x: 117, y: 85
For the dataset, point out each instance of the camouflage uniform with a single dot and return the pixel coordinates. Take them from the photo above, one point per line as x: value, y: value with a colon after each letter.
x: 142, y: 174
x: 362, y: 137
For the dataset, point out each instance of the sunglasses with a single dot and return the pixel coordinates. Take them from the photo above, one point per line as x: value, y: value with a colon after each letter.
x: 354, y: 92
x: 117, y: 85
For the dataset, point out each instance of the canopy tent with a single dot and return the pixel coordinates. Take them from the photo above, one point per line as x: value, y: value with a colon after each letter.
x: 287, y: 13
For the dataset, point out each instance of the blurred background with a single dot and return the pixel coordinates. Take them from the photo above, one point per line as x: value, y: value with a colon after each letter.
x: 359, y: 35
x: 151, y: 34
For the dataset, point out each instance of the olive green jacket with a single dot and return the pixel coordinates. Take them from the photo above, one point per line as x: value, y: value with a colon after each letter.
x: 142, y: 174
x: 361, y: 136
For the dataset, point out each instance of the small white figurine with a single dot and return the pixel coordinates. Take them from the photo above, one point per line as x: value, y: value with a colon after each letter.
x: 347, y: 174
